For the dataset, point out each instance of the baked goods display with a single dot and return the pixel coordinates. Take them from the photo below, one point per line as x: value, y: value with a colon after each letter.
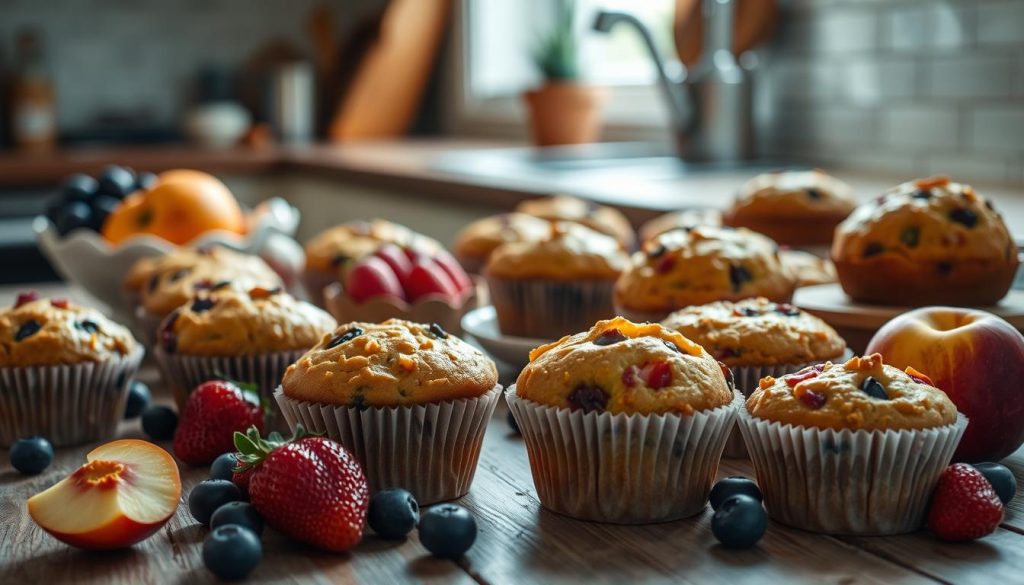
x: 930, y: 241
x: 475, y: 242
x: 601, y: 218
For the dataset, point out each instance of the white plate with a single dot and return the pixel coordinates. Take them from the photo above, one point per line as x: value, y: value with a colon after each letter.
x: 482, y: 325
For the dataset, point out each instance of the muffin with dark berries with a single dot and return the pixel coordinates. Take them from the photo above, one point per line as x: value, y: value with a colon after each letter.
x: 926, y: 242
x: 624, y: 422
x: 475, y: 242
x: 65, y: 369
x: 601, y: 218
x: 410, y: 400
x: 850, y: 448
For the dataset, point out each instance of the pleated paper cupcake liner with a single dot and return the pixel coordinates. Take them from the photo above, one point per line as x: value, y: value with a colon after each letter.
x: 429, y: 449
x: 848, y: 482
x: 549, y: 309
x: 624, y: 469
x: 68, y: 404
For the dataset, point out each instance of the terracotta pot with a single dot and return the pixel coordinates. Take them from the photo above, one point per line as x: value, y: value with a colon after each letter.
x: 565, y: 113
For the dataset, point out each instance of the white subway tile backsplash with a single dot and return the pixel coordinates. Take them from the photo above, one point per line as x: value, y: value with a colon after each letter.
x: 1001, y: 22
x: 977, y: 75
x: 922, y: 127
x: 844, y: 30
x: 906, y: 27
x: 868, y: 81
x: 997, y: 128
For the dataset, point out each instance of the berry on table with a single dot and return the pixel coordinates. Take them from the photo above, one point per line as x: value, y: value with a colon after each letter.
x: 739, y: 522
x: 159, y: 422
x: 964, y: 505
x: 1001, y: 478
x: 231, y: 552
x: 239, y: 513
x: 139, y: 398
x: 393, y: 513
x: 31, y: 455
x: 447, y: 531
x: 223, y: 467
x: 734, y: 485
x: 210, y: 494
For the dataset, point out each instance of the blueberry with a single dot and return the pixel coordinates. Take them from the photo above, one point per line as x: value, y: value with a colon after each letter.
x: 1001, y: 478
x: 393, y: 513
x: 231, y: 552
x: 438, y: 331
x: 73, y: 215
x: 588, y: 398
x: 447, y: 530
x: 145, y: 181
x: 210, y: 494
x: 347, y: 335
x: 31, y: 455
x: 739, y: 522
x: 116, y: 181
x: 734, y: 485
x: 203, y: 304
x: 27, y: 329
x: 223, y: 467
x: 873, y: 249
x: 79, y: 187
x: 739, y: 275
x: 139, y: 398
x: 159, y: 422
x: 102, y: 206
x: 240, y: 514
x: 964, y: 217
x: 513, y: 424
x: 609, y: 337
x: 874, y: 388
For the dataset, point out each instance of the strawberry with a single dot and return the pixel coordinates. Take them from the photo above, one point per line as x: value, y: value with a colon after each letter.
x: 372, y: 277
x: 396, y: 259
x: 427, y: 278
x: 454, y: 270
x: 964, y: 506
x: 214, y: 411
x: 310, y: 488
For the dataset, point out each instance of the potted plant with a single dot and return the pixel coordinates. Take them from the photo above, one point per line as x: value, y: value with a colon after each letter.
x: 563, y: 110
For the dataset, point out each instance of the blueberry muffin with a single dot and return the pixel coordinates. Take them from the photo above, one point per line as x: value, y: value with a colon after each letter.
x: 551, y: 287
x: 808, y: 269
x: 409, y: 400
x: 624, y: 422
x: 794, y: 208
x: 604, y: 219
x: 697, y: 266
x: 689, y: 218
x: 877, y: 437
x: 64, y: 371
x: 926, y: 242
x: 474, y: 244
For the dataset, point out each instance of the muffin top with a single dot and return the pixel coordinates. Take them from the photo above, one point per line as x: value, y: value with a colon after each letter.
x: 623, y: 367
x: 926, y: 220
x: 604, y: 219
x: 569, y: 251
x: 808, y: 269
x: 757, y: 332
x: 43, y: 332
x: 392, y: 363
x: 701, y: 265
x: 352, y: 241
x: 862, y: 394
x: 689, y: 218
x: 480, y: 238
x: 794, y: 193
x: 228, y: 322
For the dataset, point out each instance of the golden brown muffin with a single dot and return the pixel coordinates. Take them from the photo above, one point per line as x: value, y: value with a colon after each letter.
x: 474, y: 244
x: 757, y: 332
x: 228, y: 322
x: 795, y: 208
x: 926, y: 242
x: 689, y: 218
x: 702, y: 265
x: 807, y: 268
x: 350, y: 242
x: 621, y: 367
x: 393, y: 363
x: 43, y: 332
x: 861, y: 394
x: 604, y: 219
x: 568, y: 251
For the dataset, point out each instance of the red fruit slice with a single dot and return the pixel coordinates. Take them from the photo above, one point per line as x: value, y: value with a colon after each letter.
x: 427, y: 278
x: 454, y: 270
x: 396, y: 259
x: 372, y: 277
x: 656, y: 375
x: 793, y: 379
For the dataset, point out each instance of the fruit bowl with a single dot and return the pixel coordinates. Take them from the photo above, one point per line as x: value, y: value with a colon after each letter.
x: 85, y: 259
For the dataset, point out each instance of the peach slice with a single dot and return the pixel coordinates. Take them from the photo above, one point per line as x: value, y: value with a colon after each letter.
x: 126, y: 491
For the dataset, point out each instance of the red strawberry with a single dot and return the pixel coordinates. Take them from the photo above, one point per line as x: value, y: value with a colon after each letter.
x: 656, y: 375
x: 214, y: 411
x: 309, y: 488
x: 427, y: 278
x: 396, y: 259
x: 454, y: 270
x: 964, y: 505
x: 372, y: 277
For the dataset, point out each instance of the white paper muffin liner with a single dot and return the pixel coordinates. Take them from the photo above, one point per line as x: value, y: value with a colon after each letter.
x: 848, y: 482
x: 624, y: 469
x: 429, y: 449
x: 68, y: 404
x: 550, y: 309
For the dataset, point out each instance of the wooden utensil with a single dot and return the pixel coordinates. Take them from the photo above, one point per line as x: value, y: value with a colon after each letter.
x: 755, y: 21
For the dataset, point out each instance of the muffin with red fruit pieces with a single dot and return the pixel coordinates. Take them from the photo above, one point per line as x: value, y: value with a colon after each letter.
x: 701, y: 265
x: 601, y: 218
x: 624, y: 422
x: 850, y: 448
x: 251, y: 336
x: 926, y: 242
x: 686, y: 219
x: 386, y: 391
x: 65, y: 371
x: 552, y: 287
x: 475, y: 242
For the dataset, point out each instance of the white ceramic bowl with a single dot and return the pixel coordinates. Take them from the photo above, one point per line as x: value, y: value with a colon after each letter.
x: 482, y: 325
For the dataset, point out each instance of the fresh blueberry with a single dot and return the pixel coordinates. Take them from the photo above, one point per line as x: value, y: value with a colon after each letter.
x: 159, y: 422
x: 231, y: 552
x: 102, y: 206
x: 139, y: 398
x: 116, y: 181
x: 728, y: 487
x: 344, y: 336
x: 1001, y: 478
x: 210, y: 494
x: 447, y: 530
x: 874, y: 388
x: 73, y: 215
x: 145, y: 181
x: 239, y: 513
x: 31, y: 455
x: 223, y: 467
x: 393, y: 513
x: 513, y: 424
x: 739, y: 522
x: 78, y: 187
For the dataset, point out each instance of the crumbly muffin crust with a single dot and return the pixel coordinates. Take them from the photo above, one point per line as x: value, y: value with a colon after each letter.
x: 475, y: 242
x: 569, y: 251
x: 689, y: 218
x: 602, y: 218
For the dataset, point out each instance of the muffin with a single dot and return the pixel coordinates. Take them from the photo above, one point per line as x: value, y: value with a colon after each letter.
x: 852, y: 448
x: 808, y: 269
x: 409, y: 400
x: 65, y: 371
x: 601, y: 218
x: 474, y: 244
x: 698, y: 266
x: 250, y: 336
x: 689, y: 218
x: 926, y: 242
x: 551, y: 287
x: 794, y: 208
x: 624, y: 423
